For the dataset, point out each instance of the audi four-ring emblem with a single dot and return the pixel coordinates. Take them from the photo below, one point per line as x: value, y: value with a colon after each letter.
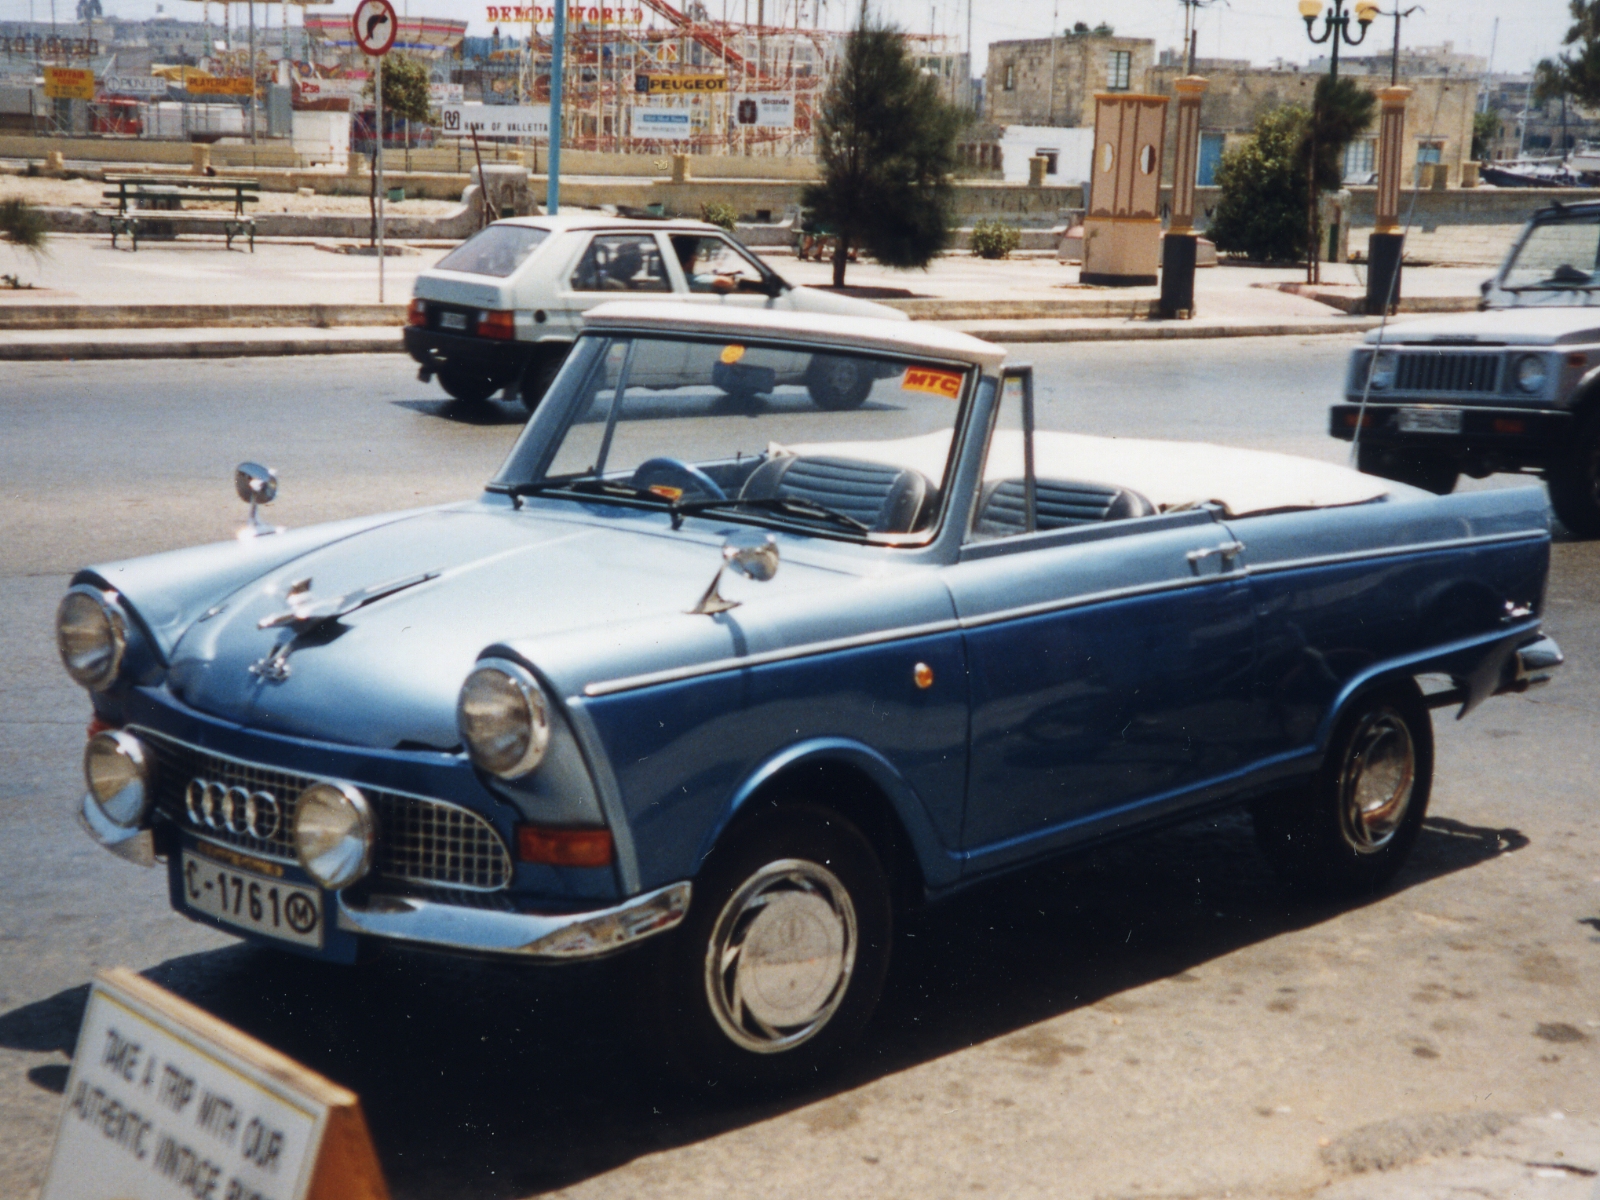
x: 235, y: 809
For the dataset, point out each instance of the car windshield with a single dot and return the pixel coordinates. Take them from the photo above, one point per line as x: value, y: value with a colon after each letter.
x: 497, y: 250
x: 1556, y: 255
x: 837, y: 442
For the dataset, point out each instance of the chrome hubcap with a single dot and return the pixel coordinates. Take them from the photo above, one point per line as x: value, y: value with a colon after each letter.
x: 1375, y: 787
x: 781, y: 954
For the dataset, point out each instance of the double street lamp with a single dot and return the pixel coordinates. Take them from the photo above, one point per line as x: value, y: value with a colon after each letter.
x: 1336, y: 25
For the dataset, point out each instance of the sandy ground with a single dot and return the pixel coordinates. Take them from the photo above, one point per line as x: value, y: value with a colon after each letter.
x: 86, y: 193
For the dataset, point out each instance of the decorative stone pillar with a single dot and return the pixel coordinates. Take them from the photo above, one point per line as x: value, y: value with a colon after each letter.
x: 1180, y: 245
x: 1386, y: 246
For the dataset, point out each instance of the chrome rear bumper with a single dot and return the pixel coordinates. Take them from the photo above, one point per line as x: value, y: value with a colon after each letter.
x: 562, y: 937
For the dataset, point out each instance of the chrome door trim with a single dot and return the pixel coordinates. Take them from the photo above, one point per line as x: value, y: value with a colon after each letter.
x: 1324, y: 560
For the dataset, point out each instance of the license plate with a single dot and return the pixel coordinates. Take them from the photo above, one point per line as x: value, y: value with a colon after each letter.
x: 258, y: 903
x: 450, y: 320
x: 1429, y: 420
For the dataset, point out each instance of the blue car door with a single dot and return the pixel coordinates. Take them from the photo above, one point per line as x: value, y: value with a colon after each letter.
x: 1110, y: 678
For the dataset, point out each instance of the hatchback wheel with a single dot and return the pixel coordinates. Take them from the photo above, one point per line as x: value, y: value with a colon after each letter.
x: 466, y: 386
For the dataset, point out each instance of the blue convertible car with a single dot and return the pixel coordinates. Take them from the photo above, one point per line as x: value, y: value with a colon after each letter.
x: 712, y: 673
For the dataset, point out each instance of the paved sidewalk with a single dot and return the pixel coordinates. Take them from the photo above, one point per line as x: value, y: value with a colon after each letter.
x: 193, y: 298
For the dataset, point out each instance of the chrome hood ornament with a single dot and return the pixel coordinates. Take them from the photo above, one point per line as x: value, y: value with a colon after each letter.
x: 306, y: 615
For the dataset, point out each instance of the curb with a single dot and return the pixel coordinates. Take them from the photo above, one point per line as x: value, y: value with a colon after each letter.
x: 1159, y: 331
x: 38, y: 317
x: 57, y: 351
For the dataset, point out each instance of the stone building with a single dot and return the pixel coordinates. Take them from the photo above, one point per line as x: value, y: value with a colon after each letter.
x: 1438, y: 124
x: 1052, y: 81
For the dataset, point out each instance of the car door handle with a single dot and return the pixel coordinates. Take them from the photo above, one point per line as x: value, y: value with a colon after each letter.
x: 1228, y: 551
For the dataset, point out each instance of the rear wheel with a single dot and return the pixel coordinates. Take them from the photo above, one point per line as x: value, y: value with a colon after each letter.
x: 538, y: 375
x: 782, y: 957
x: 837, y: 384
x: 1434, y: 473
x: 467, y: 386
x: 1574, y: 480
x: 1352, y: 829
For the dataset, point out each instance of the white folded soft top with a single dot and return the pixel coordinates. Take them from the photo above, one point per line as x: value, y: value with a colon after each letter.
x: 1171, y: 475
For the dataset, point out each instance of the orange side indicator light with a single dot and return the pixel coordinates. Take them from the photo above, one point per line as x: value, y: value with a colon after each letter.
x: 564, y: 847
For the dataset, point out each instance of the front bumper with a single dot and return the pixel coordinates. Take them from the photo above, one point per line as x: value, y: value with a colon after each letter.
x: 1518, y: 434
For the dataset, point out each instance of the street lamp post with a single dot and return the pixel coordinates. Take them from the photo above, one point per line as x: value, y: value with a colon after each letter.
x: 1387, y: 242
x: 1335, y: 29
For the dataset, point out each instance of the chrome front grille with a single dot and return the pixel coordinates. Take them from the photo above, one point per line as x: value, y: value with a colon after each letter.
x: 1443, y: 371
x: 425, y: 842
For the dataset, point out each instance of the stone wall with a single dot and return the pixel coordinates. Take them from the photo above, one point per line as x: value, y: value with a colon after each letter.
x: 1018, y: 88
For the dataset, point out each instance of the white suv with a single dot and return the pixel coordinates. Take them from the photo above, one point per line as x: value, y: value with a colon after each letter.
x: 504, y: 307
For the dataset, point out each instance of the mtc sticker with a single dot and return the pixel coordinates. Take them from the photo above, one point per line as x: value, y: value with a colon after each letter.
x: 732, y: 354
x: 935, y: 382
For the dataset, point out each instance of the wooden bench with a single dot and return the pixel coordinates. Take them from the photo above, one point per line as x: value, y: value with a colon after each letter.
x: 152, y: 202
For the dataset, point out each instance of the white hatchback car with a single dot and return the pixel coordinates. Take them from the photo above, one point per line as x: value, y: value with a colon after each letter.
x: 504, y: 307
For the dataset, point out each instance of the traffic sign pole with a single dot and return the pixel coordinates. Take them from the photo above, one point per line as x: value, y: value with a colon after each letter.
x: 558, y: 45
x: 377, y: 92
x: 371, y: 17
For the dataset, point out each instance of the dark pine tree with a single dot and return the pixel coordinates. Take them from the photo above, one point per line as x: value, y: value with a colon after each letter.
x: 886, y: 139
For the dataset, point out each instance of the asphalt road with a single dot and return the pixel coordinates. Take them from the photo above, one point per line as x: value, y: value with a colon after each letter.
x: 1158, y: 1019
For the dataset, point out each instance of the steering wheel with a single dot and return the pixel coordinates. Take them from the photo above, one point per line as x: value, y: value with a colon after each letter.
x: 675, y: 473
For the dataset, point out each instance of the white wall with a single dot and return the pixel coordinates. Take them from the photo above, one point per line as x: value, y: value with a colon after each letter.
x: 1074, y: 147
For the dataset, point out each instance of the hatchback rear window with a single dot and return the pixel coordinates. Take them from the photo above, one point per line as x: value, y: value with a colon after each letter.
x: 497, y: 250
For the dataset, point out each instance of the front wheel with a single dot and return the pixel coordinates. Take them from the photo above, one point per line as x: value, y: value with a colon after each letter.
x: 1434, y: 473
x: 782, y: 957
x: 1352, y: 829
x: 837, y: 384
x: 1574, y: 480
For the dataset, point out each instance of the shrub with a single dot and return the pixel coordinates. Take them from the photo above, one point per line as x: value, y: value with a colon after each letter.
x: 994, y: 239
x: 714, y: 212
x: 1262, y: 210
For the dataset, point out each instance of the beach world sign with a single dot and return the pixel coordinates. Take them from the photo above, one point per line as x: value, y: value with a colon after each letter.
x: 166, y: 1102
x: 495, y: 120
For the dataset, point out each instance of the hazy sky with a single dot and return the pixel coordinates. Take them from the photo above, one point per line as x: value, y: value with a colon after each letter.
x: 1260, y: 30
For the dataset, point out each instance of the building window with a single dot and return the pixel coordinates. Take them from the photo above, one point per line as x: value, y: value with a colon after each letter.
x: 1360, y: 158
x: 1052, y: 159
x: 1010, y: 84
x: 1119, y: 70
x: 1432, y: 152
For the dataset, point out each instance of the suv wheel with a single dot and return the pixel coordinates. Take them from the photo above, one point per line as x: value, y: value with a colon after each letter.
x: 1434, y: 473
x: 837, y: 384
x: 1574, y: 480
x: 782, y: 957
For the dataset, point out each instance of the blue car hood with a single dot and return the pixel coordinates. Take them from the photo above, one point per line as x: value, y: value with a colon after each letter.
x: 388, y: 673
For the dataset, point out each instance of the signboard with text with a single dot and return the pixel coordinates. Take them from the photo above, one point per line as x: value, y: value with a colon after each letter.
x: 660, y: 124
x: 679, y: 85
x: 134, y: 85
x: 218, y: 85
x: 446, y: 93
x: 495, y: 120
x: 165, y: 1101
x: 760, y: 110
x: 68, y: 83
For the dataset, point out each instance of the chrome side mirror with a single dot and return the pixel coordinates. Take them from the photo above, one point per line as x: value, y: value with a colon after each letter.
x: 753, y: 555
x: 255, y: 485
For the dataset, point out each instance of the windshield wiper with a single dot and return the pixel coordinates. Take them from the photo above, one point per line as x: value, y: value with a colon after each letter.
x: 793, y: 505
x: 589, y: 487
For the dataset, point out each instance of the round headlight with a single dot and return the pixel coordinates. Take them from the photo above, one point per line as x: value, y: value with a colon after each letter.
x: 503, y: 719
x: 91, y: 637
x: 334, y: 832
x: 1531, y: 373
x: 1383, y: 365
x: 116, y: 767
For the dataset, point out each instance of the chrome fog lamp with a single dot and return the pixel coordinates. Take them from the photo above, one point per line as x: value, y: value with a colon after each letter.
x: 334, y: 832
x: 503, y: 718
x: 92, y: 638
x: 1531, y: 373
x: 116, y: 766
x: 1383, y: 368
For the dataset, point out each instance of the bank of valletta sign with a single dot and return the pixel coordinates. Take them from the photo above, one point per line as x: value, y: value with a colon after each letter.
x: 495, y: 120
x: 166, y: 1102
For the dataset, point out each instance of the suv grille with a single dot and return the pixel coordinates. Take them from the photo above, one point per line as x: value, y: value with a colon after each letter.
x: 1435, y: 371
x: 427, y: 842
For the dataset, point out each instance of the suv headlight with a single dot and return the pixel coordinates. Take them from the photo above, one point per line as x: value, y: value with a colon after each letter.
x: 92, y: 637
x: 1531, y: 373
x: 1383, y: 368
x: 503, y: 718
x: 116, y: 767
x: 334, y: 832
